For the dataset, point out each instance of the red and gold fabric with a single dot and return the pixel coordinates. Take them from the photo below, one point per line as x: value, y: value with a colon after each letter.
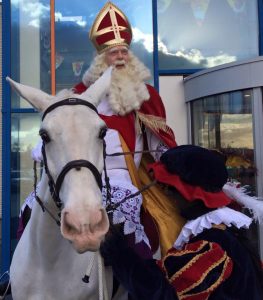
x: 197, y: 270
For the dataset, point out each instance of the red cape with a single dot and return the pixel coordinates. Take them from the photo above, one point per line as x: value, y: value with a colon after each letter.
x: 125, y: 125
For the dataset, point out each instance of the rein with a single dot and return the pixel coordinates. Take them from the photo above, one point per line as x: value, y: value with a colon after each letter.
x: 111, y: 207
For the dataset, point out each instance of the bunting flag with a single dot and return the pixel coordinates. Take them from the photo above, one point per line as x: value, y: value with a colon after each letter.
x: 238, y: 6
x: 199, y: 8
x: 59, y: 60
x: 77, y: 67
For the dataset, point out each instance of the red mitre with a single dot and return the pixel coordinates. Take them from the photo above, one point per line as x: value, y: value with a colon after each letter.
x: 111, y: 28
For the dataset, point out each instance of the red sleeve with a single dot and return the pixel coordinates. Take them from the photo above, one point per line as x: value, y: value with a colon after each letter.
x: 154, y: 106
x: 154, y: 109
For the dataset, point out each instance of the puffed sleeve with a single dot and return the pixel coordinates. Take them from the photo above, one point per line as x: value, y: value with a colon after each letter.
x: 197, y: 270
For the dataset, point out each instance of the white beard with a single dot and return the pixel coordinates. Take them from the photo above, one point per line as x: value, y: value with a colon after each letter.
x: 128, y: 90
x: 126, y: 93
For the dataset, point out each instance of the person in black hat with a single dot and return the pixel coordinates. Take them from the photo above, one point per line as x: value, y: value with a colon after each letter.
x: 210, y: 259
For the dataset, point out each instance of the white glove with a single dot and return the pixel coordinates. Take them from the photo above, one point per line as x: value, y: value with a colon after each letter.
x: 36, y: 153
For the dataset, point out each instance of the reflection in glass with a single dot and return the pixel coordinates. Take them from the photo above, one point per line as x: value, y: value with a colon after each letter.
x: 24, y: 136
x: 196, y: 34
x: 74, y: 51
x: 224, y: 122
x: 30, y: 30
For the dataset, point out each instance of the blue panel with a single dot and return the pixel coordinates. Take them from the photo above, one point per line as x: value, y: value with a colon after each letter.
x: 260, y: 21
x: 24, y: 110
x: 6, y: 21
x: 155, y: 45
x: 179, y: 71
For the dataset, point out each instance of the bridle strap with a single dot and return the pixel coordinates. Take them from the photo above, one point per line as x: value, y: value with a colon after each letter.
x: 69, y: 101
x: 40, y: 202
x: 78, y: 164
x: 51, y: 182
x: 106, y: 177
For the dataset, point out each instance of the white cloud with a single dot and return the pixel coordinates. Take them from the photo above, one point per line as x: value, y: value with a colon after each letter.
x: 77, y: 19
x: 34, y: 23
x: 35, y: 10
x: 195, y: 56
x: 32, y: 9
x: 145, y: 38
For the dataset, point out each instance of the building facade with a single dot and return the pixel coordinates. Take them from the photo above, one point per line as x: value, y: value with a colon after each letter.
x: 205, y: 57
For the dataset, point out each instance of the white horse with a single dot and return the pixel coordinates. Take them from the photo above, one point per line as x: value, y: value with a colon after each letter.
x: 50, y: 261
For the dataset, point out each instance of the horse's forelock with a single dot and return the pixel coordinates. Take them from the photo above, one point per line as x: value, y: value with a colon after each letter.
x: 63, y: 94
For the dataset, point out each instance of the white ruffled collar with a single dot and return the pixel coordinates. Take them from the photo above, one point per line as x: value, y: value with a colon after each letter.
x: 223, y: 215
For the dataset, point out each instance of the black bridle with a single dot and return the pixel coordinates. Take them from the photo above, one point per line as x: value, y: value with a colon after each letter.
x: 55, y: 186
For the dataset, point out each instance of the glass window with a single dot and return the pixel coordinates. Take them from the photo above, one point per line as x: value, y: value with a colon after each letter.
x: 24, y: 136
x: 30, y: 39
x: 74, y: 51
x: 224, y: 122
x: 196, y: 34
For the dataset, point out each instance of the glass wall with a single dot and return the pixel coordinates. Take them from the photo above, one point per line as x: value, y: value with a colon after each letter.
x: 225, y: 122
x: 195, y: 34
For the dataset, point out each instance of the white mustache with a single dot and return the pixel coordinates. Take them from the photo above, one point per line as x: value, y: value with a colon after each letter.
x: 119, y: 63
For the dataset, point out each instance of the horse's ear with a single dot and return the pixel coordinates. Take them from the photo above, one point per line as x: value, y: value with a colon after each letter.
x: 99, y: 88
x: 37, y: 98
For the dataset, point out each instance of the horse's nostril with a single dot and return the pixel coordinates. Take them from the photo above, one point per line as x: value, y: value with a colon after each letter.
x: 69, y: 227
x: 101, y: 225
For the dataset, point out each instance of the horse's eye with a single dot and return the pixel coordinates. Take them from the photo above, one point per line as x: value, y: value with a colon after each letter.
x: 102, y: 132
x: 44, y: 136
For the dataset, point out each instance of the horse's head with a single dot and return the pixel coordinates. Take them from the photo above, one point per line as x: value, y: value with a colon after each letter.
x: 74, y: 134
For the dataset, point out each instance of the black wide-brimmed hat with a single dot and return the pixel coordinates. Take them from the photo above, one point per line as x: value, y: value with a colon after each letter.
x: 197, y: 166
x: 196, y: 172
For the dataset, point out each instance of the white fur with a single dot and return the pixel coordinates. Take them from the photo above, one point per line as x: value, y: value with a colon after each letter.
x: 254, y: 204
x: 45, y: 266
